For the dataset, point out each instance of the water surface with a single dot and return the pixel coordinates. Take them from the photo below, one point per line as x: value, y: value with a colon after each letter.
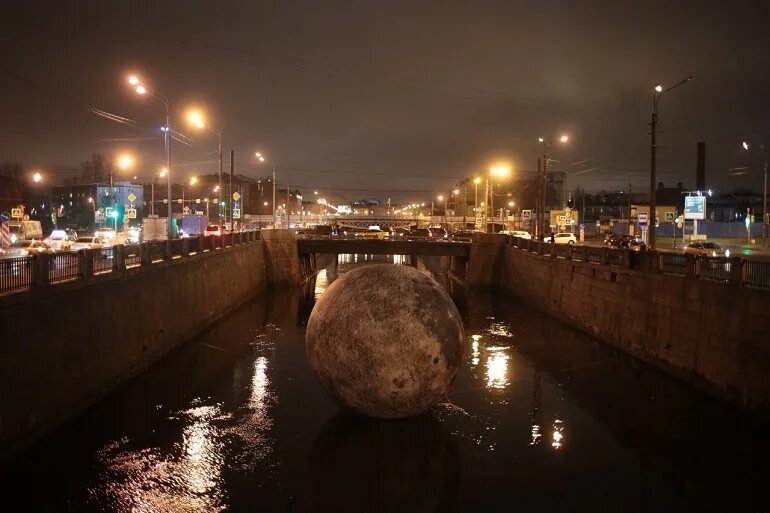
x: 541, y: 418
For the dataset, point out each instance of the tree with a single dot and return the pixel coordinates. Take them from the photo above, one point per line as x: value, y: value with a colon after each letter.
x: 96, y: 169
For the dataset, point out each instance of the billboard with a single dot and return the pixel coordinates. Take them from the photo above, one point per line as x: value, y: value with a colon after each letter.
x: 695, y: 207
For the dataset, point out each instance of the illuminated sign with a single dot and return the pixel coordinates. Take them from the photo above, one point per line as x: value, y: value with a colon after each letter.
x: 695, y: 207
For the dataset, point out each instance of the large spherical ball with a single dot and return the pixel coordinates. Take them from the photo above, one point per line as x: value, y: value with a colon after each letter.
x: 385, y: 341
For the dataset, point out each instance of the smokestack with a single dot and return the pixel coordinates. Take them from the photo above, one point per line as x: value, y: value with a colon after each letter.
x: 700, y: 177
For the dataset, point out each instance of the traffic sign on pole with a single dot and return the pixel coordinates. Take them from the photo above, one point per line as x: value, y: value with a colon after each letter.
x: 642, y: 217
x: 17, y: 213
x: 5, y: 217
x: 236, y: 196
x: 131, y: 197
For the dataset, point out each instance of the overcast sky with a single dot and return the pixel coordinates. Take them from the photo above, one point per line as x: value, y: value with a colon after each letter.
x: 392, y: 96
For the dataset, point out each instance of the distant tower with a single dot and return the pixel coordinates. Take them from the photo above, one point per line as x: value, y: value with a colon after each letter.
x: 700, y: 176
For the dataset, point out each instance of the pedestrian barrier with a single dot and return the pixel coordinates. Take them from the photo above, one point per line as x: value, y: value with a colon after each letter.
x: 734, y: 270
x: 40, y: 270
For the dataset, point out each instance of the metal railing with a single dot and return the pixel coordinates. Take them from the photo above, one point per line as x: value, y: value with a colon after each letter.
x: 63, y: 266
x: 103, y: 260
x: 672, y: 263
x: 756, y: 273
x: 714, y: 268
x: 40, y: 270
x: 734, y: 270
x: 16, y: 274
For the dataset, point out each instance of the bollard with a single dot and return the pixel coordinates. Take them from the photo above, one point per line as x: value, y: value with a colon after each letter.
x: 185, y: 247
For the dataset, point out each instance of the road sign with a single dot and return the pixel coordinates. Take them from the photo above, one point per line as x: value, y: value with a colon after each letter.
x: 199, y: 212
x: 695, y: 207
x: 642, y: 217
x: 236, y: 212
x: 197, y: 200
x: 109, y: 211
x: 179, y: 201
x: 5, y: 217
x: 186, y: 209
x: 98, y: 217
x: 131, y: 213
x: 132, y: 197
x: 526, y: 214
x: 236, y: 196
x: 16, y: 213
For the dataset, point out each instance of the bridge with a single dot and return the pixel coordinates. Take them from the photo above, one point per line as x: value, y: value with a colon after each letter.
x: 383, y: 247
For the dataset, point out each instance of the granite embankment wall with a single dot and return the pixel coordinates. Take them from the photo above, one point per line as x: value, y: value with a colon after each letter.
x: 67, y: 345
x: 714, y: 335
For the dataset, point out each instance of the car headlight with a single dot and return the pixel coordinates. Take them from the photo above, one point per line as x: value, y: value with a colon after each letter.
x: 713, y: 253
x: 727, y: 252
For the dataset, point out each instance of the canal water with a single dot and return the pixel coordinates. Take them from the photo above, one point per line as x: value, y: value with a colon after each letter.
x: 541, y: 418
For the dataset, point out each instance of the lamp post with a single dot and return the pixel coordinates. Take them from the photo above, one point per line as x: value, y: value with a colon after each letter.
x: 543, y: 183
x: 656, y: 96
x: 476, y: 182
x: 261, y: 158
x: 197, y: 119
x: 499, y: 171
x: 747, y: 147
x: 141, y: 89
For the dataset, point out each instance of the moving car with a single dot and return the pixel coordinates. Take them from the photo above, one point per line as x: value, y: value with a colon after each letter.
x: 563, y: 238
x: 25, y: 230
x: 520, y: 234
x: 624, y: 241
x: 59, y: 240
x: 711, y: 249
x: 87, y: 243
x: 374, y: 232
x: 23, y: 248
x: 105, y: 234
x: 213, y: 230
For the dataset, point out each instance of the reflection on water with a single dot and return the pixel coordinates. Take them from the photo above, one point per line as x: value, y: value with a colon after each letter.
x: 359, y: 464
x: 236, y: 421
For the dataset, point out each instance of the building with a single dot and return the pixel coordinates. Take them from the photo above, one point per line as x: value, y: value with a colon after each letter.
x: 86, y: 207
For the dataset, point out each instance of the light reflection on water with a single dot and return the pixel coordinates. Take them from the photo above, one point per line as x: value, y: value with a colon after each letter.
x: 234, y: 427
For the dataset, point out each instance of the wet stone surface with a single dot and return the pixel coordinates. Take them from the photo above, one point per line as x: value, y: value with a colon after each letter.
x: 540, y: 418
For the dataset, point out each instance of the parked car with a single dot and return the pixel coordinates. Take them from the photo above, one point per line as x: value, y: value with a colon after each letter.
x: 23, y: 248
x: 399, y: 232
x: 711, y: 249
x: 624, y: 241
x: 436, y: 232
x: 59, y: 240
x: 87, y: 243
x: 563, y: 238
x: 213, y: 230
x: 462, y: 234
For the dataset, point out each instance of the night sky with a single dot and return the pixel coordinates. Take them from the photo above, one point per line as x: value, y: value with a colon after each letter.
x: 392, y: 96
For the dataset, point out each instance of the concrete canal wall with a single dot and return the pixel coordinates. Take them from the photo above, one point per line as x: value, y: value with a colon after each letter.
x: 713, y: 335
x: 66, y: 346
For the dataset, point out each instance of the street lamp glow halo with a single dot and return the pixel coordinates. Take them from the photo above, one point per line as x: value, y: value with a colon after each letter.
x: 659, y: 88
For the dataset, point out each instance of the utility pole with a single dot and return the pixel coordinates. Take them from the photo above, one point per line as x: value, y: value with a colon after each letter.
x: 288, y: 205
x: 764, y: 209
x: 656, y: 96
x: 230, y: 194
x: 221, y: 190
x: 538, y: 208
x: 465, y: 204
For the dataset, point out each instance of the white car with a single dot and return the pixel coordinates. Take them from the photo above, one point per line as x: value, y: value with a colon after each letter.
x: 58, y: 240
x: 563, y: 238
x: 711, y: 249
x: 213, y: 229
x: 87, y: 243
x: 520, y: 234
x: 105, y: 234
x: 23, y: 248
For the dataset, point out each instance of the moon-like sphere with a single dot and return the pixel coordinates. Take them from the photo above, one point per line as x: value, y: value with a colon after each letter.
x: 385, y: 341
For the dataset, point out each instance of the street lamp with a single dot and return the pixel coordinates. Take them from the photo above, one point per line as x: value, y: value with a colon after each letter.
x: 37, y: 177
x: 261, y: 158
x: 141, y: 89
x: 656, y: 96
x: 747, y: 147
x: 198, y: 120
x: 499, y: 171
x: 542, y: 190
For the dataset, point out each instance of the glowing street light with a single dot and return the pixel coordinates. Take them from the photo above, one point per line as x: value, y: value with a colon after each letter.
x: 37, y: 177
x: 542, y: 179
x: 125, y: 161
x: 141, y: 89
x: 197, y: 119
x: 658, y: 88
x: 747, y: 147
x: 261, y: 158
